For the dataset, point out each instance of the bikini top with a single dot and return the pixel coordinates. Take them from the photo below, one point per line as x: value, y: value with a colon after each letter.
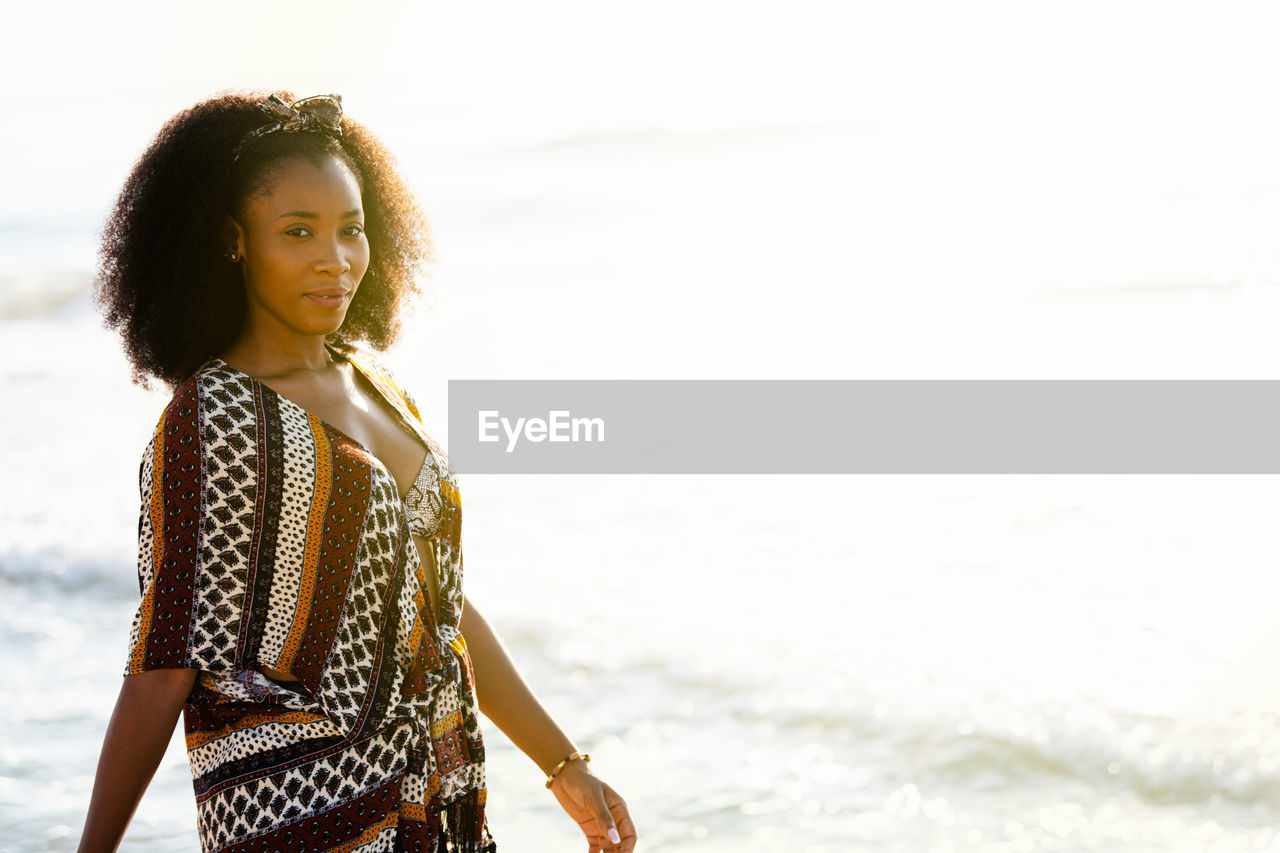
x: 422, y: 501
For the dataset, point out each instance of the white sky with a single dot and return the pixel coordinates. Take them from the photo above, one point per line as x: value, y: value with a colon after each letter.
x: 656, y: 62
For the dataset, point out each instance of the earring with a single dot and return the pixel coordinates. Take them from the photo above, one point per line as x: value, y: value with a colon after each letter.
x: 233, y: 256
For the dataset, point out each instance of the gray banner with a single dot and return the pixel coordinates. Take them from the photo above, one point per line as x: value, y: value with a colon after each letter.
x: 864, y: 426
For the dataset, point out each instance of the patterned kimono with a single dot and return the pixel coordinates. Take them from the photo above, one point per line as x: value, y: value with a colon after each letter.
x: 269, y: 538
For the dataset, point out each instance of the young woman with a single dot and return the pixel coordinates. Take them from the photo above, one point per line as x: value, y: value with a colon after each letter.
x: 300, y: 563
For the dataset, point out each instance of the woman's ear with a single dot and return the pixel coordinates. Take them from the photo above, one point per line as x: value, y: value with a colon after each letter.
x: 233, y: 239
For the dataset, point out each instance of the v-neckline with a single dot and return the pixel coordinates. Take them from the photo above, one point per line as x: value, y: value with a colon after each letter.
x: 402, y: 415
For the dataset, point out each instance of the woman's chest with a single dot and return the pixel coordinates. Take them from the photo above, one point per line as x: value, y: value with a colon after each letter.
x: 360, y: 416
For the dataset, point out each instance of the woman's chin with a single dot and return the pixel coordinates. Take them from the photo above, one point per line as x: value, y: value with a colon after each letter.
x: 327, y: 325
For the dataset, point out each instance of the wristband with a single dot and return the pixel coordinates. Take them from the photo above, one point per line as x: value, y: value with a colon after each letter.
x: 551, y: 777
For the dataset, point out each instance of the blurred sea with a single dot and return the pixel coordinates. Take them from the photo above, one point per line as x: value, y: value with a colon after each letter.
x: 771, y: 663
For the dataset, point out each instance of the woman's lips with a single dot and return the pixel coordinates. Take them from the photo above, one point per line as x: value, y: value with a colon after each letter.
x: 329, y: 298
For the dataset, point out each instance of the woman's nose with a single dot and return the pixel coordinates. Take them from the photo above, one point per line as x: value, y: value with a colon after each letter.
x: 333, y: 260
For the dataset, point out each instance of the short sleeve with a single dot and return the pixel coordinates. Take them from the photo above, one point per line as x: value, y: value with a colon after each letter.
x: 168, y: 541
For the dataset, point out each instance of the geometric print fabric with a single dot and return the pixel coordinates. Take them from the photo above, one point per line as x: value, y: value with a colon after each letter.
x: 268, y: 538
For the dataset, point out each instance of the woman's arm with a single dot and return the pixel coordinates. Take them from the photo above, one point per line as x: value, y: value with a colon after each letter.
x: 141, y: 725
x: 506, y: 699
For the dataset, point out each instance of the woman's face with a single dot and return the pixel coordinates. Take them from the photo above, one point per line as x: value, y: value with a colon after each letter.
x: 303, y: 248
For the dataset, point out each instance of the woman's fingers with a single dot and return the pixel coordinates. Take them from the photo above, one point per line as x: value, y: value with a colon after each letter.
x: 604, y: 817
x: 627, y: 830
x: 598, y: 810
x: 624, y: 838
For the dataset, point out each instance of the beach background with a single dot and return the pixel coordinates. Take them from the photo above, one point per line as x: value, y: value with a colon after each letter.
x: 731, y: 190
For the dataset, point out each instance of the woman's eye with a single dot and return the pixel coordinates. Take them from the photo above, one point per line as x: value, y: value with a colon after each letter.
x: 298, y: 231
x: 353, y: 230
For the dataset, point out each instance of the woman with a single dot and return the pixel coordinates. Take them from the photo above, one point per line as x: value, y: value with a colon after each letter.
x: 299, y: 539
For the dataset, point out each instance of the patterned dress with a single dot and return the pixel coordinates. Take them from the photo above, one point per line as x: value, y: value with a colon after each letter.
x: 269, y: 538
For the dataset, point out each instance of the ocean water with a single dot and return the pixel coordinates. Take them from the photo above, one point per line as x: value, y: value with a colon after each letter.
x: 766, y: 663
x: 761, y: 663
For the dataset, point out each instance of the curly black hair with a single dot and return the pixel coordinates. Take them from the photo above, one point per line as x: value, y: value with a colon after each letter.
x: 164, y: 282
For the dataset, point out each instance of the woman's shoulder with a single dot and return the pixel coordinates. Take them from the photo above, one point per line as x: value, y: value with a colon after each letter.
x: 374, y: 366
x: 367, y: 359
x: 178, y: 431
x: 213, y: 388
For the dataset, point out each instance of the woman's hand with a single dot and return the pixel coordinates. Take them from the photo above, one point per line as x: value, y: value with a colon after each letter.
x: 598, y: 810
x: 506, y: 699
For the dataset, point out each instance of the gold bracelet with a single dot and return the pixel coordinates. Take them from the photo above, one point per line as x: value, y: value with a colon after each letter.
x: 551, y: 777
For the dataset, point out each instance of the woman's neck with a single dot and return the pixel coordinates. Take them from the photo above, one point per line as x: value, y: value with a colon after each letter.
x: 266, y: 357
